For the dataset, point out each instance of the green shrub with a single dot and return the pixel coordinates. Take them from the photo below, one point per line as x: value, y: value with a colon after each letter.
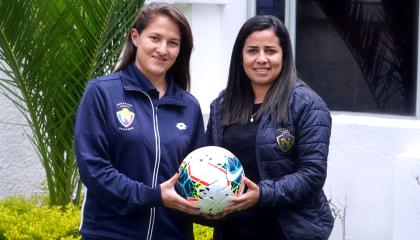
x: 24, y: 219
x: 203, y: 232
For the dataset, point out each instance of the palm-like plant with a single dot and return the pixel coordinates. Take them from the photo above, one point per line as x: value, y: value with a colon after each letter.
x: 48, y: 51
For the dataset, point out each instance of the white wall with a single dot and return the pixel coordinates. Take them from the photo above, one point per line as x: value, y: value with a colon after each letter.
x: 374, y: 162
x: 20, y: 170
x: 215, y: 26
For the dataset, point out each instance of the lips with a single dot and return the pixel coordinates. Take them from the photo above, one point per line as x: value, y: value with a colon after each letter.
x: 261, y: 70
x: 159, y: 59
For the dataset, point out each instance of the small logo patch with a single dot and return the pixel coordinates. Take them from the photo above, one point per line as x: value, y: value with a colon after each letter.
x: 285, y: 139
x: 181, y: 126
x: 125, y: 117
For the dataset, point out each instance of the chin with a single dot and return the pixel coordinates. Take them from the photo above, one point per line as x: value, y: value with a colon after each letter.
x: 264, y: 81
x: 159, y: 71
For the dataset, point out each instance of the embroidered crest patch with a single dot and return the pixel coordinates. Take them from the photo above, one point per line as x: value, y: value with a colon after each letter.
x: 125, y: 117
x: 285, y: 139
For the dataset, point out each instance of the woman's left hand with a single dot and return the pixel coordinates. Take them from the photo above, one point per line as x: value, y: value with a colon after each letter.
x: 246, y: 200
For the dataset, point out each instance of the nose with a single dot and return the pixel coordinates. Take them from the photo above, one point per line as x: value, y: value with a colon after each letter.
x: 162, y: 49
x: 261, y: 58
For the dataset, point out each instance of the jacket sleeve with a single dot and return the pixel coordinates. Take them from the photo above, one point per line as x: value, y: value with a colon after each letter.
x: 313, y: 130
x: 97, y: 172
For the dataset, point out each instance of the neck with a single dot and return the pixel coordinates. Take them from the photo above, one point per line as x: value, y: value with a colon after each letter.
x: 160, y: 85
x: 260, y: 92
x: 159, y: 82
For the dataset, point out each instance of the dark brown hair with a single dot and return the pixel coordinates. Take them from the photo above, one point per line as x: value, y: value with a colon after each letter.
x: 239, y: 97
x: 181, y: 68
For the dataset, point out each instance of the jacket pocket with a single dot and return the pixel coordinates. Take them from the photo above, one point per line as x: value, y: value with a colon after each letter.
x: 302, y: 221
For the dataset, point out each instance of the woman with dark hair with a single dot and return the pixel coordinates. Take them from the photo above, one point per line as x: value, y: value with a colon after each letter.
x: 133, y: 129
x: 279, y: 128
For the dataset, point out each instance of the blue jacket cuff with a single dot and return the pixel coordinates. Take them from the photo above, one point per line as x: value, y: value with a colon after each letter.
x: 153, y: 196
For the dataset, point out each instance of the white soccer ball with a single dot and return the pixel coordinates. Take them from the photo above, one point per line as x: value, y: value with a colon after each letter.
x: 208, y: 176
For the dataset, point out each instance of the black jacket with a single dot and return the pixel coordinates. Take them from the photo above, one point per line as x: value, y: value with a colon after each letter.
x: 292, y: 163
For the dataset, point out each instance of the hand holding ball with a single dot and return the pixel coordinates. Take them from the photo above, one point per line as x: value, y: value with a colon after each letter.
x: 209, y: 176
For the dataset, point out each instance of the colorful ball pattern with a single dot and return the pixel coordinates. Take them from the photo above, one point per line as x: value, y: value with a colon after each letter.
x: 209, y: 176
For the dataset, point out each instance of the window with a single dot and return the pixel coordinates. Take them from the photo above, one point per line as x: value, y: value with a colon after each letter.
x: 359, y: 55
x: 271, y: 7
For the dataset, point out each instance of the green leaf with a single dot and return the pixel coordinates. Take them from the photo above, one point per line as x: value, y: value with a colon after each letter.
x: 48, y: 52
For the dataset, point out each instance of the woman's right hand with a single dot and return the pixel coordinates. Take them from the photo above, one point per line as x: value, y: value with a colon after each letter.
x: 172, y: 199
x: 246, y: 200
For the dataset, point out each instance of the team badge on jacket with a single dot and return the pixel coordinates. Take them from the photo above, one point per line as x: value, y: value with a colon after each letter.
x: 125, y: 117
x: 285, y: 139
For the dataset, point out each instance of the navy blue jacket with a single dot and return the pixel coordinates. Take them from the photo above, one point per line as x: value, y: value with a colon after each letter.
x: 127, y: 142
x: 292, y: 163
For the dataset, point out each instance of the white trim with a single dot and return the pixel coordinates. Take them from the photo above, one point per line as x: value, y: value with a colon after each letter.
x: 375, y: 120
x: 290, y: 22
x: 251, y: 8
x: 155, y: 169
x: 151, y: 224
x: 83, y: 210
x: 159, y: 152
x: 418, y: 67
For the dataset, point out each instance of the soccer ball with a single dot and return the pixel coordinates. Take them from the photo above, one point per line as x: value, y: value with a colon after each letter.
x: 208, y: 176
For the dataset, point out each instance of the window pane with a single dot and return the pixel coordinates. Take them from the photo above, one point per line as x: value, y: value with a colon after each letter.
x: 359, y: 55
x: 271, y: 7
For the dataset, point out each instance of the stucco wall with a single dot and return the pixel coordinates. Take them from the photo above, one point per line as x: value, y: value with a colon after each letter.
x: 373, y: 163
x: 20, y: 170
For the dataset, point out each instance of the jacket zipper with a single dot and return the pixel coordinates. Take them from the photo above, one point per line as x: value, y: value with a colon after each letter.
x: 257, y: 152
x: 157, y: 163
x: 155, y: 170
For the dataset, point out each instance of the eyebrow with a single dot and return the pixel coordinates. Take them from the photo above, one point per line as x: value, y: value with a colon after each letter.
x: 172, y: 39
x: 270, y: 46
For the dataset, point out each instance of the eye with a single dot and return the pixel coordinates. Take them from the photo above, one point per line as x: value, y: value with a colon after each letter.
x: 154, y: 38
x: 271, y: 51
x: 173, y: 43
x: 252, y: 51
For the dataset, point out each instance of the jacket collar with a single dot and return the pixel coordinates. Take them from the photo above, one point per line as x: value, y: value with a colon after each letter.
x: 134, y: 80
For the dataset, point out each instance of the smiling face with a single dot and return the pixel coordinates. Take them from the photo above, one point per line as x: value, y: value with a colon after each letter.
x: 158, y: 46
x: 262, y: 58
